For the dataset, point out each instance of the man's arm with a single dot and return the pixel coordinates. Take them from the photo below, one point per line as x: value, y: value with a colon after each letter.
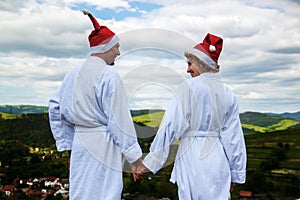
x: 62, y: 133
x: 114, y: 102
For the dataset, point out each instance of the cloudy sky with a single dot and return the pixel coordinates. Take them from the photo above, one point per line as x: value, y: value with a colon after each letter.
x: 41, y: 40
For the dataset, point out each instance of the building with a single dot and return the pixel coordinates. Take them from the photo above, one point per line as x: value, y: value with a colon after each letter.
x: 245, y: 195
x: 9, y: 190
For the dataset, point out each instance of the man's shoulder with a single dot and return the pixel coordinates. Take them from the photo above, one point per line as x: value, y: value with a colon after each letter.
x: 72, y: 73
x: 110, y: 76
x: 111, y: 72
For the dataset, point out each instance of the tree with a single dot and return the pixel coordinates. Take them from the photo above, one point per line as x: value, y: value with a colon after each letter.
x: 35, y: 159
x: 279, y: 153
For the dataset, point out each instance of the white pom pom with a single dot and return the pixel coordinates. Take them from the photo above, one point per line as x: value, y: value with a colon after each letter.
x: 212, y: 48
x: 86, y: 12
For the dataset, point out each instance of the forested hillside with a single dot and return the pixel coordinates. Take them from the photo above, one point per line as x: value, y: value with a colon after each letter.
x: 30, y: 129
x: 34, y: 129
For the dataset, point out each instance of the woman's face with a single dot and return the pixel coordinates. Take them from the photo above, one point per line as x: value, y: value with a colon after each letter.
x: 192, y: 68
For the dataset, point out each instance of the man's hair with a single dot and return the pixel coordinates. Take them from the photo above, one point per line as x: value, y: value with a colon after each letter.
x: 199, y: 62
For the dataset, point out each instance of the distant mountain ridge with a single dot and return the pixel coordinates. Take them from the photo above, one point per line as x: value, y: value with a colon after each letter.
x: 25, y: 109
x: 294, y: 115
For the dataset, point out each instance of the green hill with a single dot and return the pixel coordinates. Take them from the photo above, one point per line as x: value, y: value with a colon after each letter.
x: 9, y: 116
x: 22, y: 109
x: 254, y: 122
x: 149, y: 118
x: 30, y: 129
x: 259, y: 119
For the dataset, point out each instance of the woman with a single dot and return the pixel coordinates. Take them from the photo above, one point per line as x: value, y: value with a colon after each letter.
x: 204, y: 115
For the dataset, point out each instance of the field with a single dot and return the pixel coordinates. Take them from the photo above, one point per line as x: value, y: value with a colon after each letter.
x: 281, y: 125
x: 259, y: 147
x: 9, y: 116
x: 151, y: 119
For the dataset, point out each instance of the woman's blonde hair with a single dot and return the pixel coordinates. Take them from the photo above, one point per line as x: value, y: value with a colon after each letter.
x: 205, y: 67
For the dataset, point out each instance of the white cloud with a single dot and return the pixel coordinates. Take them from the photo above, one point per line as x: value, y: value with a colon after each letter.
x: 47, y: 30
x: 42, y: 40
x: 37, y: 77
x: 112, y: 4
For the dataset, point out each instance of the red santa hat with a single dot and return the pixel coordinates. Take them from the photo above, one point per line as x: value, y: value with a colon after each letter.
x: 101, y: 39
x: 209, y: 50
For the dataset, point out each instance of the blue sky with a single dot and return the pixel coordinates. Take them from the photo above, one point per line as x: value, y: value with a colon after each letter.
x: 43, y: 39
x: 137, y: 9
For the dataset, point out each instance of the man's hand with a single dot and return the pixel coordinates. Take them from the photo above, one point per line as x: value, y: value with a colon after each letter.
x: 134, y: 168
x: 141, y: 170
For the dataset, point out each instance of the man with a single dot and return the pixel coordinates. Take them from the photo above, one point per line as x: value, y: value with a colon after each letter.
x: 89, y: 116
x: 204, y: 115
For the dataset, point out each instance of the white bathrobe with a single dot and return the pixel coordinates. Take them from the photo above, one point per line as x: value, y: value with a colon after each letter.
x: 89, y: 115
x: 204, y: 115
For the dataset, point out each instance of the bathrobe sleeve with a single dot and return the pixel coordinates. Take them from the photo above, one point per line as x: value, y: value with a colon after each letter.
x: 232, y: 139
x: 120, y: 125
x: 173, y: 125
x: 62, y: 133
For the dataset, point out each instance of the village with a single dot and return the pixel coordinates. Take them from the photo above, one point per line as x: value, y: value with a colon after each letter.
x: 36, y: 188
x: 43, y: 188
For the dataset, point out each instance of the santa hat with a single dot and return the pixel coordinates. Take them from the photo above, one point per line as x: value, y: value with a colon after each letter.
x: 101, y: 39
x: 209, y: 50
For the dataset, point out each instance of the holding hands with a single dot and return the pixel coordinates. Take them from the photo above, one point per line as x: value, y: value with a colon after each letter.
x: 138, y: 170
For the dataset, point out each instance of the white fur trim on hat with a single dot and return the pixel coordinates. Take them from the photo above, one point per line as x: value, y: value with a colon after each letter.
x: 102, y: 48
x: 204, y: 57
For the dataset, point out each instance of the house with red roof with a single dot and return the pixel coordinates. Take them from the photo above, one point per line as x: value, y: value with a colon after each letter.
x: 245, y: 195
x: 9, y: 190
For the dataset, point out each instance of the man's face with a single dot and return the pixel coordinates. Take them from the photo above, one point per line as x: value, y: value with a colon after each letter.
x: 112, y: 54
x: 192, y: 69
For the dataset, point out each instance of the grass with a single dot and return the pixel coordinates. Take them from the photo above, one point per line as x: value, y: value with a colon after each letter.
x: 259, y: 147
x: 255, y: 128
x: 9, y: 116
x: 151, y: 119
x: 258, y: 124
x: 281, y: 125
